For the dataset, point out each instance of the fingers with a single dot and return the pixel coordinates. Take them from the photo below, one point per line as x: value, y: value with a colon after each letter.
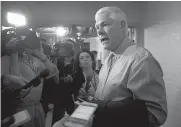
x: 84, y: 102
x: 67, y: 79
x: 77, y: 103
x: 82, y: 91
x: 24, y: 92
x: 51, y: 106
x: 70, y: 78
x: 61, y: 122
x: 21, y: 81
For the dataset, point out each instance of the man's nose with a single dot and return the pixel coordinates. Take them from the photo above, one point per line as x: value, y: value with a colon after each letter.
x: 100, y: 31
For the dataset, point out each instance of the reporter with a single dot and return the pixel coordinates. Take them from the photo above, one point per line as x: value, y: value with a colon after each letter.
x: 64, y: 101
x: 28, y: 63
x: 85, y: 70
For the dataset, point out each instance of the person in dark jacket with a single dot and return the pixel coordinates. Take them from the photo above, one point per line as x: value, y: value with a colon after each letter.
x: 63, y: 99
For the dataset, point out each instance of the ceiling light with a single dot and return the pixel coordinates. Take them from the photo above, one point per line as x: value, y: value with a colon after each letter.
x: 16, y: 19
x: 62, y: 31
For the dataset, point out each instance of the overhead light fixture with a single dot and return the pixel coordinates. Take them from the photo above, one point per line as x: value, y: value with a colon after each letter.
x: 4, y: 28
x: 79, y: 34
x: 16, y: 19
x: 62, y: 31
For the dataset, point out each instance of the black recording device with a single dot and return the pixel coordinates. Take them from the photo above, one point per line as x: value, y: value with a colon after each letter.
x: 36, y: 81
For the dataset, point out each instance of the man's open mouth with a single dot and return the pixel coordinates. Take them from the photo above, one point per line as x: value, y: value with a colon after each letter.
x: 104, y: 39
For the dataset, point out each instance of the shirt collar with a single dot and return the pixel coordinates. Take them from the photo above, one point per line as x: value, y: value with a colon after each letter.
x: 122, y: 47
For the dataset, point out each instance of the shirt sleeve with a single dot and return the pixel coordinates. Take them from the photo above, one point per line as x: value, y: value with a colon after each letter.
x: 146, y: 83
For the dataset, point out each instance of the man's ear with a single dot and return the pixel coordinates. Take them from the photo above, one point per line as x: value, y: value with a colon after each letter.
x: 123, y: 25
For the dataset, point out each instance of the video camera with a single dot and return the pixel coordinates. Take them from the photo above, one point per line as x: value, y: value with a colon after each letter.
x: 15, y: 32
x: 27, y: 39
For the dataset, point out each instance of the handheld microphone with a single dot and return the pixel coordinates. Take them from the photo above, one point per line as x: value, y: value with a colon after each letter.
x: 36, y: 81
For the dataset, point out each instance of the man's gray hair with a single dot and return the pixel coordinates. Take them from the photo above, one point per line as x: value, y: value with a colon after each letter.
x: 114, y: 12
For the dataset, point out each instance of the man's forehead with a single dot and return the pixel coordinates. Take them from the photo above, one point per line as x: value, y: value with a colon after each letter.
x: 102, y: 17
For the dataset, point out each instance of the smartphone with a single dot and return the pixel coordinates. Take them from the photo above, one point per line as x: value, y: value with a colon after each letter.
x: 81, y: 100
x: 82, y: 116
x: 21, y: 118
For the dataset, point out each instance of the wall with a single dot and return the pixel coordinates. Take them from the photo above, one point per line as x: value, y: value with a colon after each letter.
x: 94, y: 44
x: 162, y: 36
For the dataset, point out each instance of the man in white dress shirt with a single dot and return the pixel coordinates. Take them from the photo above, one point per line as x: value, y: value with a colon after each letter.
x: 131, y: 90
x: 131, y: 78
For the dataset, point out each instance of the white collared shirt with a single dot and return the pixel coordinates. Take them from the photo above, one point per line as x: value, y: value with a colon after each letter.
x: 136, y: 75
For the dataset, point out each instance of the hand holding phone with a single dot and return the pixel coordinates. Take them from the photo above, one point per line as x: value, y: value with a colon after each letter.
x: 19, y: 118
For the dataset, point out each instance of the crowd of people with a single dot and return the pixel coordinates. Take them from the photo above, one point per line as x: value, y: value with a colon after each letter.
x: 129, y: 89
x: 69, y: 78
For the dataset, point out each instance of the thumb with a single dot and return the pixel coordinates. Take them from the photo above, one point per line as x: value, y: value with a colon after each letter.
x: 24, y: 80
x: 21, y: 83
x: 61, y: 122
